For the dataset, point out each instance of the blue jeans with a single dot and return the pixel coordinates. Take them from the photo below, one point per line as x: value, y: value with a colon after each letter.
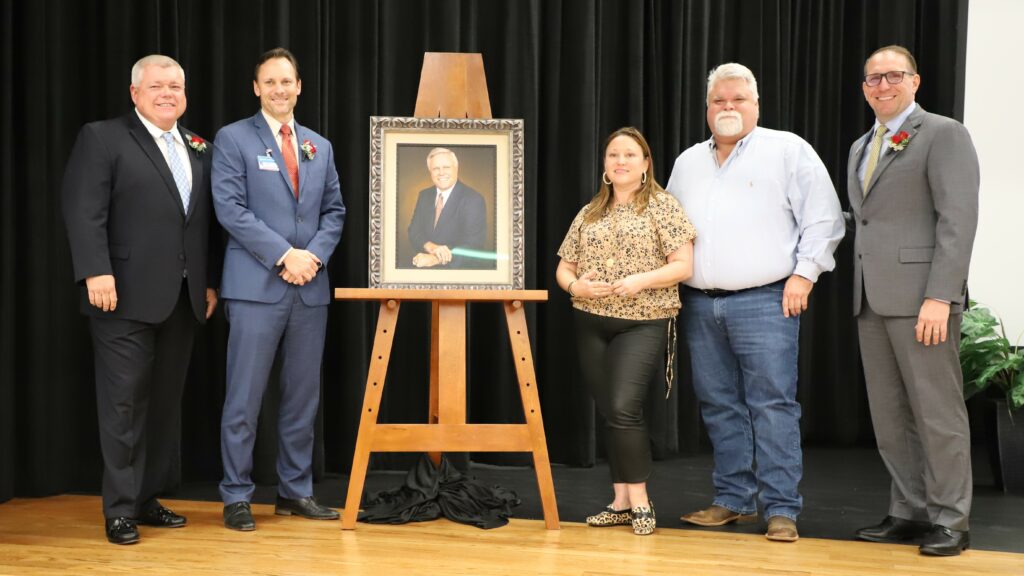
x: 744, y: 357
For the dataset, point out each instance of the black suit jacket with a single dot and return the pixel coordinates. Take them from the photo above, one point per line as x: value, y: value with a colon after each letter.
x: 463, y: 224
x: 124, y: 217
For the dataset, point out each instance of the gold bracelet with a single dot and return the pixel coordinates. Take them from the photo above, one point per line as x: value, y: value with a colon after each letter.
x: 569, y: 288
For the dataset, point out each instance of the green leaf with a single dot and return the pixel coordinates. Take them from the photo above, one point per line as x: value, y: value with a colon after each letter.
x: 987, y: 358
x: 1015, y: 395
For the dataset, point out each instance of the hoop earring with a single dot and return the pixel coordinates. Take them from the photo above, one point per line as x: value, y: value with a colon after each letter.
x: 643, y: 178
x: 604, y: 178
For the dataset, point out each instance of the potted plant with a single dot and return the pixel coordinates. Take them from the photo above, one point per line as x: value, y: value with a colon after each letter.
x: 987, y: 359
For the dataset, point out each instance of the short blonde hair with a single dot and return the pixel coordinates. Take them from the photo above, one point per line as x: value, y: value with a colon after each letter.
x: 732, y: 71
x: 153, y: 60
x: 439, y: 151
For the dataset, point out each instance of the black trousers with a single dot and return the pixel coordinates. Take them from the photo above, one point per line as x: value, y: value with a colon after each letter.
x: 618, y: 358
x: 140, y: 376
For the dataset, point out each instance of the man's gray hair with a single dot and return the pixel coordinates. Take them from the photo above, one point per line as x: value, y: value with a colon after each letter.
x: 732, y: 71
x: 153, y: 60
x: 436, y: 151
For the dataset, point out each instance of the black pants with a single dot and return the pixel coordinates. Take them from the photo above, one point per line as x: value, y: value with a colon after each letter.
x: 140, y: 375
x: 618, y: 359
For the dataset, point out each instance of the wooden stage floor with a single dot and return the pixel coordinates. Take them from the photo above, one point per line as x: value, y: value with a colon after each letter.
x: 64, y: 535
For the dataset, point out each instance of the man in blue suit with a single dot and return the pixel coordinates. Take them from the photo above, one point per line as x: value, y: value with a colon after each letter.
x: 276, y: 192
x: 448, y: 215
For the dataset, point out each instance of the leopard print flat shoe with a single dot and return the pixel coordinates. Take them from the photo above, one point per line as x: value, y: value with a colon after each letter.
x: 643, y: 520
x: 611, y: 517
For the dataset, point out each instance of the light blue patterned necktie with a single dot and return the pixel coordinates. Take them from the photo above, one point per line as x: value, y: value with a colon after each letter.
x: 177, y: 170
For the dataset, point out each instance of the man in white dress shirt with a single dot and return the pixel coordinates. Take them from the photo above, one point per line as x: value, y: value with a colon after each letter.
x: 769, y: 221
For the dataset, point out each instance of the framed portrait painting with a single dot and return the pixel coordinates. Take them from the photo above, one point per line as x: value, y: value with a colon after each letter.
x: 446, y: 203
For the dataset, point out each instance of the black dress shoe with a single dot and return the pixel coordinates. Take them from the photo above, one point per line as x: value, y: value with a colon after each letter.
x: 894, y: 530
x: 305, y: 507
x: 162, y: 518
x: 942, y: 541
x: 238, y: 516
x: 122, y: 530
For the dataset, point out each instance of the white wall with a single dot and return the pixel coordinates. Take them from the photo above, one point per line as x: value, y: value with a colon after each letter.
x: 993, y: 113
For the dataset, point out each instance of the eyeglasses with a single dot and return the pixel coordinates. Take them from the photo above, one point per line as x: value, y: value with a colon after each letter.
x: 893, y: 77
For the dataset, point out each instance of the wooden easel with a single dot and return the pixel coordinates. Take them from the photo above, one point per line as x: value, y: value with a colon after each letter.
x: 451, y: 85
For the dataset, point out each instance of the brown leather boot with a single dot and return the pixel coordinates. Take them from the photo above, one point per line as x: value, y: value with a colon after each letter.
x: 717, y: 516
x: 781, y: 529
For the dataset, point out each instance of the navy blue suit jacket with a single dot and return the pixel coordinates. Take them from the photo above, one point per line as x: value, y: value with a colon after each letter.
x: 262, y: 217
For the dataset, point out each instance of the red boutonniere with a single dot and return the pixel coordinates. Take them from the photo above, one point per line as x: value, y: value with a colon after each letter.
x: 899, y: 141
x: 197, y: 143
x: 308, y: 149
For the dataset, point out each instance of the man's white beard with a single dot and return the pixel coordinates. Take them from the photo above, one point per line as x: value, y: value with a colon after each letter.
x: 728, y: 124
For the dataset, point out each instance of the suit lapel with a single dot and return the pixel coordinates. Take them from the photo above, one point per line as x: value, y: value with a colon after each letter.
x: 888, y: 155
x: 856, y: 156
x: 145, y: 141
x: 300, y: 137
x: 270, y: 142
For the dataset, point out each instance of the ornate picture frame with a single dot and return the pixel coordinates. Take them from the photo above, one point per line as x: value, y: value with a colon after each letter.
x: 469, y: 238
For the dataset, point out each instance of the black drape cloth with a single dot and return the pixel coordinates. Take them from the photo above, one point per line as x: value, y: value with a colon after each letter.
x: 574, y: 70
x: 430, y: 492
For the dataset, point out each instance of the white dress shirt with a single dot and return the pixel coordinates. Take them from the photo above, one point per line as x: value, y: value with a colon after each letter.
x: 158, y: 135
x: 769, y: 212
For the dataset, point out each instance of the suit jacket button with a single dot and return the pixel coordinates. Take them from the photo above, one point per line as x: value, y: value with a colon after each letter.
x: 299, y: 219
x: 181, y: 256
x: 864, y: 222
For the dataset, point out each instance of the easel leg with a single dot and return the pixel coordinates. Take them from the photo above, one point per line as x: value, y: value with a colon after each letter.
x: 386, y: 321
x: 523, y: 356
x: 435, y: 356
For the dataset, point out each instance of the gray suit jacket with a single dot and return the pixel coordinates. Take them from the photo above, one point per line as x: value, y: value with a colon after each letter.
x: 916, y: 224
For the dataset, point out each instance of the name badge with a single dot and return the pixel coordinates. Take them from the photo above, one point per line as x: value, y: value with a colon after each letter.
x: 267, y: 163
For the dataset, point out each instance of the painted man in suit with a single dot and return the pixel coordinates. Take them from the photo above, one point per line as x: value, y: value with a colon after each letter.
x: 448, y: 215
x: 913, y: 186
x: 276, y: 192
x: 136, y: 200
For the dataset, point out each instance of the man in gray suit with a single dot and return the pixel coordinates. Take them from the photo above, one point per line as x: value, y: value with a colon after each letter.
x: 913, y: 186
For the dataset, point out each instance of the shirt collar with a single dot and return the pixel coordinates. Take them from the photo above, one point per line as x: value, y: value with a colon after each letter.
x: 157, y: 132
x: 275, y: 126
x: 894, y: 123
x: 740, y: 144
x: 445, y: 193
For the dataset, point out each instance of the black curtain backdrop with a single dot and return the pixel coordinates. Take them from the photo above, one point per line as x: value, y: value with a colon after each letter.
x: 573, y: 69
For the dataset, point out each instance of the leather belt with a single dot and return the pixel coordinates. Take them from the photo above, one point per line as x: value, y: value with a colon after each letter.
x: 719, y: 293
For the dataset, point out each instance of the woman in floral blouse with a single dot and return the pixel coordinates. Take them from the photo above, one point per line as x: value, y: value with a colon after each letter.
x: 622, y: 259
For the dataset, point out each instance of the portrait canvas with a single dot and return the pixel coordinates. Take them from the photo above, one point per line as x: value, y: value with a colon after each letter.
x: 446, y: 203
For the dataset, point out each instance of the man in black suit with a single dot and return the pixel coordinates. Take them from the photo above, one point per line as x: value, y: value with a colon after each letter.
x: 136, y: 201
x: 448, y: 215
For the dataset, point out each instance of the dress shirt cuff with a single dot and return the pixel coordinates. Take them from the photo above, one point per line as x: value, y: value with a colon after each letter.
x: 808, y: 270
x: 280, y: 260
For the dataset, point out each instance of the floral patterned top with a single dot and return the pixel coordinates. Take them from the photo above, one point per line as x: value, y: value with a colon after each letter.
x: 623, y: 242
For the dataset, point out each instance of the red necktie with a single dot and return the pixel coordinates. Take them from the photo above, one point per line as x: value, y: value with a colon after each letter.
x: 438, y: 206
x: 289, y: 157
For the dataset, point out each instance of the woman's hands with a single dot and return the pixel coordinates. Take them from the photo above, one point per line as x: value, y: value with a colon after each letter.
x: 586, y: 287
